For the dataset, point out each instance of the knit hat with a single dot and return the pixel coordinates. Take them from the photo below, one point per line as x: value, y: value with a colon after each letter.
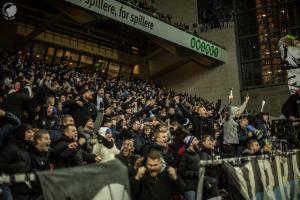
x: 188, y: 140
x: 103, y: 131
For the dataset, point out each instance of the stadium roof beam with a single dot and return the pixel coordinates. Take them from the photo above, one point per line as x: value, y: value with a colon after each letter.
x: 40, y: 29
x: 171, y: 67
x: 79, y: 15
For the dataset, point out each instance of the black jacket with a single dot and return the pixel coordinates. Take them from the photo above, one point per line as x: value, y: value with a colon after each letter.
x: 129, y: 162
x: 81, y: 114
x: 155, y: 188
x: 188, y: 169
x: 62, y: 156
x: 206, y: 154
x: 15, y: 159
x: 40, y: 161
x: 292, y: 106
x: 201, y: 125
x: 17, y: 103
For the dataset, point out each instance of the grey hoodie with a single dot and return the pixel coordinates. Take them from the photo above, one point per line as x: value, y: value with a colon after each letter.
x: 230, y: 126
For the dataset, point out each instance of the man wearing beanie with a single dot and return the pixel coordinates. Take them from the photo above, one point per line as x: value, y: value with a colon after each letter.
x: 188, y: 167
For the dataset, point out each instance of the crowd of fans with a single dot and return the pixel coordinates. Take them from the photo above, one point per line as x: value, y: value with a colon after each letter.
x: 55, y: 116
x: 217, y: 18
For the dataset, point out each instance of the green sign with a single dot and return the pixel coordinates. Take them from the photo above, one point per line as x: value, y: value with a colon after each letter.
x: 139, y: 20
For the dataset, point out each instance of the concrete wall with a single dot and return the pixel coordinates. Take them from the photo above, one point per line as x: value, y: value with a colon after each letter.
x: 274, y: 96
x: 210, y: 83
x: 185, y: 11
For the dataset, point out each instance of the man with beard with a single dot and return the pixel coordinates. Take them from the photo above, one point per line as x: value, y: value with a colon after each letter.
x: 127, y: 157
x: 161, y: 145
x: 83, y: 108
x: 87, y: 134
x: 155, y: 181
x: 189, y: 167
x: 199, y: 119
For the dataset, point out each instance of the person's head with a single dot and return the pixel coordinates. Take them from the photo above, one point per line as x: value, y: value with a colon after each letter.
x: 243, y: 123
x: 201, y: 110
x: 154, y: 163
x: 89, y: 124
x: 42, y: 140
x: 171, y: 111
x: 136, y: 125
x: 253, y: 146
x: 106, y: 133
x: 100, y: 92
x: 161, y: 137
x: 147, y: 130
x: 108, y: 110
x: 206, y: 142
x: 50, y: 101
x: 50, y: 110
x: 191, y: 142
x: 127, y: 147
x: 70, y: 131
x: 87, y: 94
x: 68, y: 120
x: 24, y: 133
x: 163, y: 127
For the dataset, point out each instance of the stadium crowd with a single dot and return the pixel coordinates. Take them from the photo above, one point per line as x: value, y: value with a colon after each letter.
x: 55, y: 116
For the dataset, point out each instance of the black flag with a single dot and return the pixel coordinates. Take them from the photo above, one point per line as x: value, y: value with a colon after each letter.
x: 104, y: 181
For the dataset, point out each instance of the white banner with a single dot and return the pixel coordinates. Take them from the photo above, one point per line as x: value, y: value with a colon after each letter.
x: 134, y: 18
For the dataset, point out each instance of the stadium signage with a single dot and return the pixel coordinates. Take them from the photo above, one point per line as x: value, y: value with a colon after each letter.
x: 139, y: 20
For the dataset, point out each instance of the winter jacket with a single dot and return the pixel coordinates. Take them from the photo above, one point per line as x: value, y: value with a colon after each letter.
x: 201, y: 125
x: 155, y: 188
x: 188, y: 169
x: 40, y: 161
x: 10, y: 123
x: 16, y: 159
x: 104, y: 152
x: 65, y: 157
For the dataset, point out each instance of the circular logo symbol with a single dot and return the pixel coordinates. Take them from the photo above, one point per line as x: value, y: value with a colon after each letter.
x: 9, y: 11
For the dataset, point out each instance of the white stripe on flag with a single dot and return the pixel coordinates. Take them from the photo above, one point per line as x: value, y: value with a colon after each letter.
x: 279, y: 175
x: 285, y: 176
x: 296, y: 176
x: 243, y: 184
x: 268, y: 189
x: 251, y: 179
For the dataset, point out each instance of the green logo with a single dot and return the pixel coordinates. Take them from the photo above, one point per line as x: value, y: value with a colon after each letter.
x: 204, y: 47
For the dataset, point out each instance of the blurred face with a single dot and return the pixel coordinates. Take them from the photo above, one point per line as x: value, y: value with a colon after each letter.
x: 89, y: 124
x: 208, y: 143
x: 244, y: 123
x: 62, y: 98
x: 136, y: 125
x: 171, y: 111
x: 68, y: 120
x: 202, y: 112
x: 154, y: 166
x: 29, y: 135
x: 255, y: 147
x: 88, y: 95
x: 195, y: 143
x: 162, y: 138
x: 109, y: 136
x: 71, y: 132
x: 49, y: 110
x: 43, y: 143
x: 147, y: 131
x: 101, y: 92
x: 127, y: 147
x: 163, y: 128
